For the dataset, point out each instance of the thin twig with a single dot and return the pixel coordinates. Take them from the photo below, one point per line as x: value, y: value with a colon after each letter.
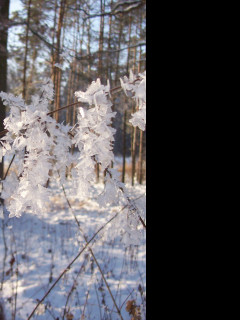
x: 126, y: 298
x: 62, y: 108
x: 72, y: 262
x: 72, y: 289
x: 131, y: 204
x: 100, y: 311
x: 104, y: 279
x: 9, y: 166
x: 5, y: 250
x: 93, y: 255
x: 85, y: 304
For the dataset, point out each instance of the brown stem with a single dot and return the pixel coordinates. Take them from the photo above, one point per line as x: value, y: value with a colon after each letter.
x: 93, y: 255
x: 72, y: 262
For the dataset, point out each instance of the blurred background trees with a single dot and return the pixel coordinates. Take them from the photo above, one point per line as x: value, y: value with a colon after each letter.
x: 91, y: 39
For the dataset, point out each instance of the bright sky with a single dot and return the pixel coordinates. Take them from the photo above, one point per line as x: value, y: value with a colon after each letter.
x: 15, y: 5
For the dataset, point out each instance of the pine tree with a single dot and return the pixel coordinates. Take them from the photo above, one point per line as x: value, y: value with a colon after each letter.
x: 4, y: 13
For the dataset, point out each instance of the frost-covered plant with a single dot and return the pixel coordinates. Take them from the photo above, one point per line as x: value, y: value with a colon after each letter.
x: 94, y: 138
x: 43, y: 145
x: 130, y: 222
x: 135, y: 87
x: 40, y: 142
x: 93, y: 135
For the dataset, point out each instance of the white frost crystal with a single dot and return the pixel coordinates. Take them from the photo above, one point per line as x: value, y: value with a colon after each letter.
x: 42, y: 142
x: 135, y: 86
x: 42, y: 146
x: 94, y: 135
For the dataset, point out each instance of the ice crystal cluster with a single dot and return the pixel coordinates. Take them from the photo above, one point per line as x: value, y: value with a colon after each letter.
x: 42, y: 146
x: 135, y: 87
x: 94, y: 134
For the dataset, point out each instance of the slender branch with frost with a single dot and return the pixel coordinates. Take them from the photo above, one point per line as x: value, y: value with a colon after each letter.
x: 94, y: 138
x: 42, y: 145
x: 93, y: 135
x: 136, y: 90
x: 112, y: 91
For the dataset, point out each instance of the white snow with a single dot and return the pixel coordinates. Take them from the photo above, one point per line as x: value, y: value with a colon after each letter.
x: 43, y: 245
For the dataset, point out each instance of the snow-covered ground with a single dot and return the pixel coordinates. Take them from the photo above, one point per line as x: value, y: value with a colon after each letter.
x: 35, y: 249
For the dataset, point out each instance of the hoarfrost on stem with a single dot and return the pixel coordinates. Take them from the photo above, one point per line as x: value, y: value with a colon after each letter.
x: 135, y: 87
x: 42, y: 146
x: 40, y: 142
x: 93, y: 134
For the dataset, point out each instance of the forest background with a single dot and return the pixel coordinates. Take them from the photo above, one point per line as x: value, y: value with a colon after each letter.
x: 75, y: 42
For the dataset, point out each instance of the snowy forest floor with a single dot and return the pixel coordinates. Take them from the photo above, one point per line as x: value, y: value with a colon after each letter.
x: 34, y: 250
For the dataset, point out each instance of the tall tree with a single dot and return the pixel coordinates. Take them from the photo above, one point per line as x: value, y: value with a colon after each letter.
x: 26, y: 51
x: 58, y: 72
x: 100, y: 57
x: 4, y: 13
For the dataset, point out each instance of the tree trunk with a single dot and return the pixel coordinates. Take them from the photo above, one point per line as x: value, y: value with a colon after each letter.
x: 124, y: 144
x: 134, y: 139
x: 118, y: 53
x: 4, y: 12
x: 126, y: 105
x: 58, y: 72
x: 101, y: 36
x: 140, y: 160
x: 134, y: 133
x: 69, y: 94
x: 2, y: 317
x: 100, y: 64
x: 53, y: 42
x: 129, y: 43
x: 26, y: 52
x: 89, y: 37
x: 109, y: 62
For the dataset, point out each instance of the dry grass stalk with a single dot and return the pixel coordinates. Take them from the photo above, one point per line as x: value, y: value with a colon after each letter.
x: 133, y: 310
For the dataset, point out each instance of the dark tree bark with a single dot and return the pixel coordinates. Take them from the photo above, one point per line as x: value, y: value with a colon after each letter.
x: 109, y: 62
x: 140, y: 161
x: 124, y: 144
x: 134, y: 140
x: 1, y: 312
x: 4, y: 12
x: 58, y: 72
x: 100, y: 63
x: 118, y: 52
x: 26, y: 52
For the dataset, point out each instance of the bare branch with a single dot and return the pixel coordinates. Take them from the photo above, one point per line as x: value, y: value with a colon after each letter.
x: 129, y: 6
